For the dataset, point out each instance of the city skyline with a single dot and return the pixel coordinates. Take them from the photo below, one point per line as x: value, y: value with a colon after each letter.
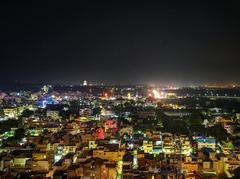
x: 120, y: 90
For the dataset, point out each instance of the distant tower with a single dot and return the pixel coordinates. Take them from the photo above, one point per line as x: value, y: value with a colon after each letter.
x: 129, y: 96
x: 135, y: 159
x: 84, y: 83
x: 45, y: 88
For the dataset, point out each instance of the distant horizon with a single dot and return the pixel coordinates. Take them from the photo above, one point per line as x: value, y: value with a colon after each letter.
x: 121, y: 84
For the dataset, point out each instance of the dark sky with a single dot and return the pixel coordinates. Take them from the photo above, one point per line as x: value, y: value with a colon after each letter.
x: 169, y: 42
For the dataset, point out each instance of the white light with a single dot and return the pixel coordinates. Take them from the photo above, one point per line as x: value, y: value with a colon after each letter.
x: 156, y: 94
x: 131, y: 146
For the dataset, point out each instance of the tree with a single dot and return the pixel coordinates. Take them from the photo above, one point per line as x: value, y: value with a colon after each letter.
x: 19, y: 133
x: 27, y: 113
x: 237, y: 130
x: 160, y: 116
x: 194, y: 119
x: 96, y: 111
x: 7, y: 125
x: 236, y: 173
x: 218, y: 132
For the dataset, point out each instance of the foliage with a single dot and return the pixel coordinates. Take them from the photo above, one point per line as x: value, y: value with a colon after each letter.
x: 170, y: 124
x: 96, y: 111
x: 218, y: 132
x: 26, y: 113
x: 236, y: 173
x: 7, y: 125
x: 237, y: 130
x: 19, y: 134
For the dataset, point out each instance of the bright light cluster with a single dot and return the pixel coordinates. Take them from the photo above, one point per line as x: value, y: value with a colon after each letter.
x: 156, y: 94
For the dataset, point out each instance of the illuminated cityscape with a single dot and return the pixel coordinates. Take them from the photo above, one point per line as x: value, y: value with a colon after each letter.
x: 120, y: 132
x: 120, y: 90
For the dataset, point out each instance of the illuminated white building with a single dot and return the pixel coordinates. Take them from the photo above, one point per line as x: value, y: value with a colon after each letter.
x: 84, y: 83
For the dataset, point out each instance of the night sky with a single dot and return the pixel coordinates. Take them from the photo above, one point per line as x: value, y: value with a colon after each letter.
x: 120, y: 43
